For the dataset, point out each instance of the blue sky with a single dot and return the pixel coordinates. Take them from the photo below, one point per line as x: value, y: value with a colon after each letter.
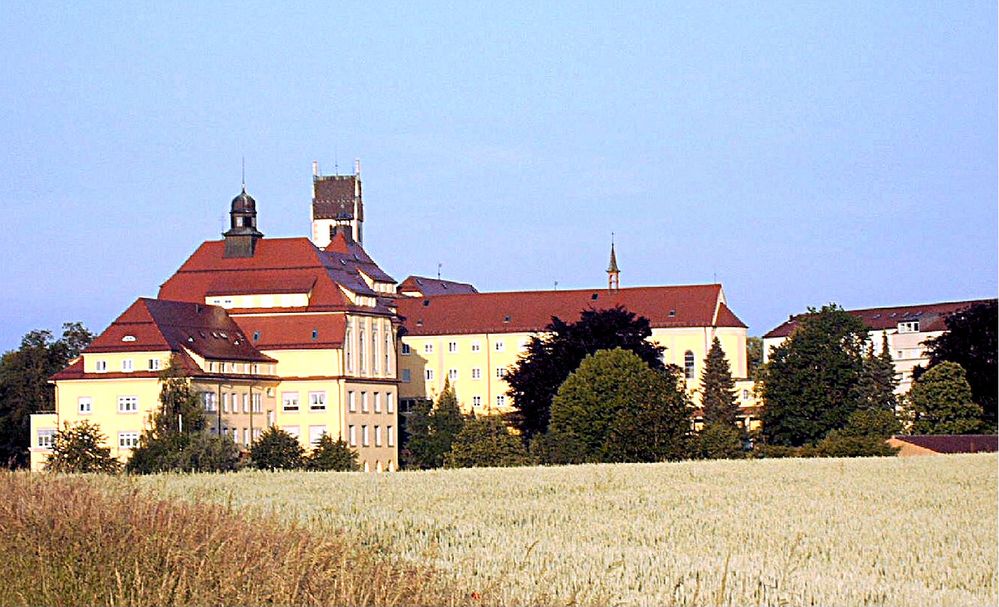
x: 799, y: 153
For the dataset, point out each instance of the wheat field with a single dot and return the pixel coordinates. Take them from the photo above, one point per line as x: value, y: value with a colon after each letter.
x: 877, y: 531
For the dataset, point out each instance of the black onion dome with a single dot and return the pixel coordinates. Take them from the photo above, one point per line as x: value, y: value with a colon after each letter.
x: 244, y: 202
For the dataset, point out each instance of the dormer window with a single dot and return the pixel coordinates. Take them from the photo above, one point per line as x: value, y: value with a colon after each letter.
x: 911, y: 326
x: 128, y: 338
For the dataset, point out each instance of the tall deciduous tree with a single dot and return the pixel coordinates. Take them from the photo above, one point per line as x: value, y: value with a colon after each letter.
x: 551, y: 357
x: 875, y: 389
x: 24, y: 387
x: 718, y: 401
x: 941, y: 402
x: 431, y: 431
x: 619, y: 410
x: 808, y: 385
x: 970, y: 341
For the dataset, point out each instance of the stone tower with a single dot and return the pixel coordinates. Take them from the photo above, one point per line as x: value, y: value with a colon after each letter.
x: 337, y: 206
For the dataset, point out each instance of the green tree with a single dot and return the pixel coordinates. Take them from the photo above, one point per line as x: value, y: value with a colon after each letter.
x: 24, y: 387
x: 875, y: 388
x: 808, y: 384
x: 754, y: 356
x: 720, y: 440
x: 718, y: 401
x: 552, y: 356
x: 864, y: 435
x: 277, y: 450
x: 431, y: 431
x: 940, y: 402
x: 81, y: 448
x: 486, y: 442
x: 329, y: 454
x: 621, y: 410
x: 970, y: 341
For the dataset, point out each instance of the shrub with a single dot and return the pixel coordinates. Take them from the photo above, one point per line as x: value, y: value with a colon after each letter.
x: 277, y: 450
x: 329, y: 454
x: 720, y: 441
x: 486, y: 442
x: 941, y: 402
x: 81, y: 448
x: 560, y: 450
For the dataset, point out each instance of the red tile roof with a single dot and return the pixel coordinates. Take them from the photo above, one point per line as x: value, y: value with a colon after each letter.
x: 954, y: 443
x: 349, y: 254
x: 531, y: 311
x: 154, y: 325
x: 930, y: 316
x: 427, y: 287
x: 284, y: 331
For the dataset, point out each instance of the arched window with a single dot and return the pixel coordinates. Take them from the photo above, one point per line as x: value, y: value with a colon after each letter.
x: 360, y: 349
x: 374, y: 349
x: 688, y: 365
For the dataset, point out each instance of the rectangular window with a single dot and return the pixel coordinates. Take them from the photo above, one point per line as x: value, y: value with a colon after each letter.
x: 476, y: 346
x: 405, y: 349
x: 407, y: 376
x: 225, y: 402
x: 128, y: 440
x: 316, y: 433
x: 235, y: 435
x: 126, y: 365
x: 352, y: 433
x: 476, y: 401
x: 85, y: 404
x: 430, y: 374
x: 292, y: 430
x: 476, y: 373
x: 499, y: 346
x: 351, y: 402
x: 378, y: 402
x: 390, y: 435
x: 154, y: 364
x: 246, y: 403
x: 45, y: 438
x: 452, y: 374
x: 911, y: 326
x: 208, y: 399
x: 289, y: 401
x: 500, y: 401
x: 364, y: 402
x: 378, y: 436
x: 257, y: 404
x: 256, y: 433
x: 389, y: 402
x: 317, y: 401
x: 128, y: 404
x: 246, y: 436
x: 428, y: 348
x: 745, y: 394
x: 452, y: 346
x: 364, y: 436
x: 101, y: 366
x: 500, y: 372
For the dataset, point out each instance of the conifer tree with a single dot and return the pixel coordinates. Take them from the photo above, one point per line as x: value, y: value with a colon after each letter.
x: 876, y: 385
x: 431, y: 431
x: 941, y: 402
x: 329, y: 454
x: 718, y: 400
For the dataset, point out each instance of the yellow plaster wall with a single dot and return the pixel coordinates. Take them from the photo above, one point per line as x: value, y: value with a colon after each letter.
x: 140, y: 361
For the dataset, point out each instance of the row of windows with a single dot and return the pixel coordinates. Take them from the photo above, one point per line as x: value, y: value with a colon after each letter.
x: 236, y: 367
x: 452, y: 374
x: 128, y: 439
x: 126, y: 404
x: 289, y: 401
x: 500, y: 401
x: 365, y: 402
x: 452, y: 347
x: 362, y: 342
x: 231, y: 401
x: 366, y: 436
x: 127, y: 365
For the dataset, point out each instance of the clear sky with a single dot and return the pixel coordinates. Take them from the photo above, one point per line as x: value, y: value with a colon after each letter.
x: 799, y: 153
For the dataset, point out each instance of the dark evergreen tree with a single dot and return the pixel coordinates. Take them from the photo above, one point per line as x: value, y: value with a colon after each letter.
x: 970, y: 341
x: 754, y: 356
x: 81, y: 448
x: 486, y: 441
x: 24, y: 387
x: 416, y: 452
x: 431, y: 431
x: 718, y: 399
x: 329, y: 454
x: 864, y: 435
x: 551, y: 357
x: 875, y: 389
x: 619, y: 410
x: 808, y: 385
x: 940, y: 402
x: 277, y: 450
x: 720, y: 440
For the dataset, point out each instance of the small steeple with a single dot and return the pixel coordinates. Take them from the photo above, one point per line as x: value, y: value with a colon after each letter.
x: 241, y: 239
x: 613, y: 272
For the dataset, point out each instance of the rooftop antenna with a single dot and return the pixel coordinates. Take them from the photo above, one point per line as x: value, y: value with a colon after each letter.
x: 336, y: 164
x: 244, y: 172
x: 556, y: 285
x: 439, y: 270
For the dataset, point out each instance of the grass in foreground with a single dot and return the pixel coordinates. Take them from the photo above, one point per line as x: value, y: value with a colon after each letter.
x: 68, y: 541
x: 873, y: 531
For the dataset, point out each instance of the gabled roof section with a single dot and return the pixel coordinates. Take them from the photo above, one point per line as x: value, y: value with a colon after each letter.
x: 931, y: 317
x: 349, y: 254
x: 427, y: 287
x: 295, y: 331
x: 531, y: 311
x: 155, y: 325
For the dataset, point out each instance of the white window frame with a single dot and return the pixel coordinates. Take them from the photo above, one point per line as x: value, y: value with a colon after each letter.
x: 317, y: 401
x: 430, y: 375
x: 128, y: 439
x: 499, y: 346
x: 364, y: 402
x: 452, y: 347
x: 154, y: 364
x: 246, y: 402
x: 378, y: 402
x: 364, y: 436
x: 127, y: 365
x: 45, y: 436
x: 257, y: 403
x: 389, y: 402
x: 295, y: 431
x: 500, y: 372
x: 390, y: 436
x: 477, y: 373
x: 209, y: 401
x: 101, y: 366
x: 313, y: 437
x: 225, y: 402
x: 476, y: 401
x: 351, y: 401
x: 352, y: 433
x: 476, y: 346
x: 500, y: 400
x: 406, y: 350
x: 378, y: 436
x: 290, y: 396
x: 84, y: 405
x: 125, y: 401
x: 452, y: 374
x: 428, y: 348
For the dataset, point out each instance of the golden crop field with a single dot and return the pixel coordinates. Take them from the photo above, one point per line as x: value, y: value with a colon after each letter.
x: 879, y: 531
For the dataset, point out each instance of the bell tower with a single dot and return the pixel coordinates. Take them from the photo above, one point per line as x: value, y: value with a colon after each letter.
x: 613, y: 273
x: 337, y: 206
x: 241, y: 238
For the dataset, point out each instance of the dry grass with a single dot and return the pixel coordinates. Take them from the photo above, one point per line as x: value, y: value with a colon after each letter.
x: 71, y: 541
